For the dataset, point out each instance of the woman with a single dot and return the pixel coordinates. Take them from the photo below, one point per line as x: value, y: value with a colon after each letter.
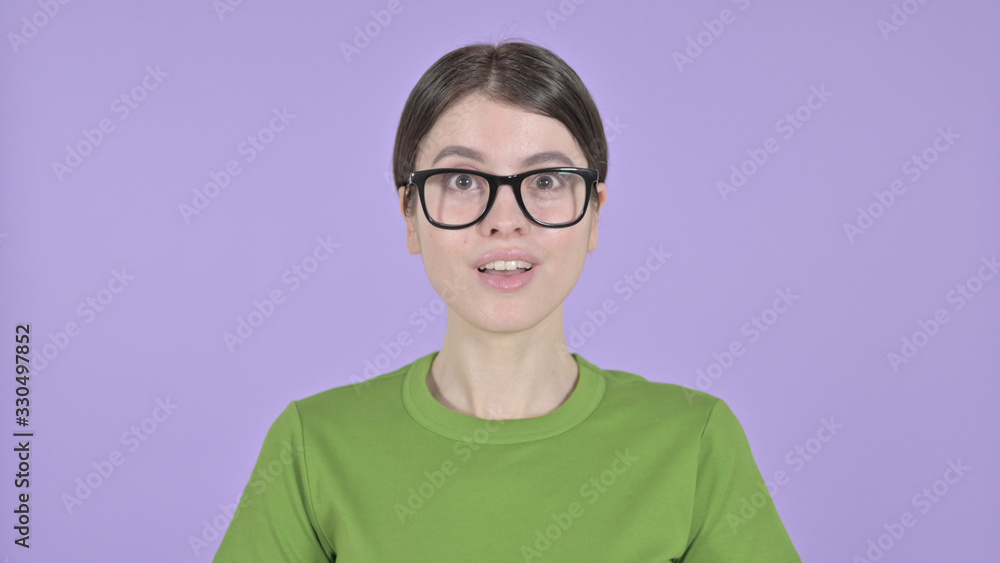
x: 502, y: 445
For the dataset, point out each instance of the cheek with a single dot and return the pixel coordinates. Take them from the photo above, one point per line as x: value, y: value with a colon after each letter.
x: 568, y: 252
x: 442, y: 250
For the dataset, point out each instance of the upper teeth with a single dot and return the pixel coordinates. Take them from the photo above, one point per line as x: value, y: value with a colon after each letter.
x: 506, y: 265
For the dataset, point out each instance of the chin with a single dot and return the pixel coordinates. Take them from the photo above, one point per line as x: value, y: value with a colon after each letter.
x: 501, y: 318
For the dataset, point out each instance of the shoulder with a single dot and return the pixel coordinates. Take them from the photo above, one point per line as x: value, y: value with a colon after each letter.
x: 679, y: 417
x: 353, y: 403
x: 666, y: 402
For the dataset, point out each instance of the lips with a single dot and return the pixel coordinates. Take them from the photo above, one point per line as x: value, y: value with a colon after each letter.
x: 506, y: 280
x: 515, y: 257
x: 501, y: 267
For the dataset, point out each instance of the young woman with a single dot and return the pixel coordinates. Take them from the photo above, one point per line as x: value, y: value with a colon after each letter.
x: 502, y: 445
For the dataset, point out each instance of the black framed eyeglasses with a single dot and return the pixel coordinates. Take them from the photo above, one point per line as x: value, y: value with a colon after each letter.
x: 456, y: 198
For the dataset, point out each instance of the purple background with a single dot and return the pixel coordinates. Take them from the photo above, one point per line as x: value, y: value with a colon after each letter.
x: 675, y: 131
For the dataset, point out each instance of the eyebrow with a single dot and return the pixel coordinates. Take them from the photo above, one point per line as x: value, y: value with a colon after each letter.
x: 473, y: 154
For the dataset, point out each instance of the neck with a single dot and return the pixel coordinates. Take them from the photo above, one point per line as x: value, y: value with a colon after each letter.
x: 502, y: 376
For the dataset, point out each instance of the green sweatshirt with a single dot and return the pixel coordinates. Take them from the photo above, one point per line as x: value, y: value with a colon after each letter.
x: 625, y: 470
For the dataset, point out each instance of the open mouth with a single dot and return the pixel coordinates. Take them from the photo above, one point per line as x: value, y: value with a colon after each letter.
x: 506, y: 268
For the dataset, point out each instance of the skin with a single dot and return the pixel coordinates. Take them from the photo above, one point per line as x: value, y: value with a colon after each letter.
x: 504, y: 354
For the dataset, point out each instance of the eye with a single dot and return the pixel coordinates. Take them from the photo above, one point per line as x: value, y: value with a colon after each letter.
x: 464, y: 182
x: 546, y: 182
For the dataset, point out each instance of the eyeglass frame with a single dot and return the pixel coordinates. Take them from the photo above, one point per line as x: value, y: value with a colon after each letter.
x: 419, y: 177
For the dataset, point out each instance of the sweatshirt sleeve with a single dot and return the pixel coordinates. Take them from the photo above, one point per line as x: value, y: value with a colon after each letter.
x: 274, y: 520
x: 734, y: 517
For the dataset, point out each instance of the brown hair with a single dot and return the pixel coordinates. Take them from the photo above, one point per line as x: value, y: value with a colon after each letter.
x: 517, y: 74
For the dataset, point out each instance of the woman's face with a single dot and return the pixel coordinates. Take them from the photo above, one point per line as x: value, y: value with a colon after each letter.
x: 503, y: 138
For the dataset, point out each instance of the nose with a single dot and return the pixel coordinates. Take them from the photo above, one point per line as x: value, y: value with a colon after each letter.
x: 505, y: 213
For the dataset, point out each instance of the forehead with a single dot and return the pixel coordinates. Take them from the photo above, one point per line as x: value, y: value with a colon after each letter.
x: 478, y: 130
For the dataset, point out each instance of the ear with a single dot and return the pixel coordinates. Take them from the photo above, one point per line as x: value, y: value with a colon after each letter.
x: 602, y: 197
x: 412, y: 240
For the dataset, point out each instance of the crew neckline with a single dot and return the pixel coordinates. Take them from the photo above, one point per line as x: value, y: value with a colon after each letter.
x: 437, y: 418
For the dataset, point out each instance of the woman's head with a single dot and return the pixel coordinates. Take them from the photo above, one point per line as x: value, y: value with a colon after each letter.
x: 502, y: 107
x: 517, y: 74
